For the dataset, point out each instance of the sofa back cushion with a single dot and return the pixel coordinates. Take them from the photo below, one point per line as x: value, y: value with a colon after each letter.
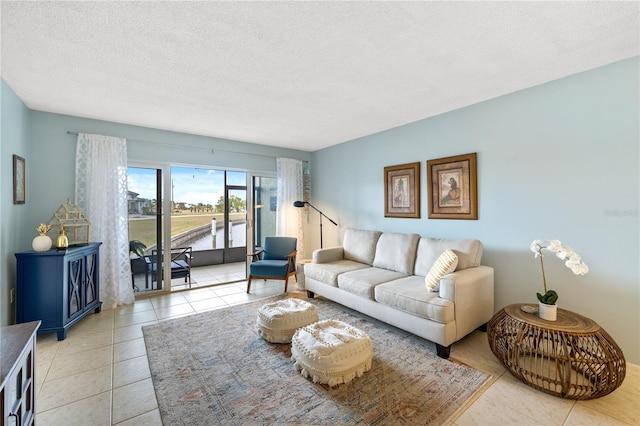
x: 396, y: 252
x: 359, y: 245
x: 469, y: 253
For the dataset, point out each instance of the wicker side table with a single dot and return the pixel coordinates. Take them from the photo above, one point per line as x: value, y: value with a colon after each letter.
x: 572, y: 357
x: 300, y: 273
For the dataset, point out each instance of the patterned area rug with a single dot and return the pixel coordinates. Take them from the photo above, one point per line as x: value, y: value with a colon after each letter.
x: 214, y: 368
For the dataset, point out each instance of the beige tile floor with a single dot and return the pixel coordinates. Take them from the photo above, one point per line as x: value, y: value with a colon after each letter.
x: 99, y: 375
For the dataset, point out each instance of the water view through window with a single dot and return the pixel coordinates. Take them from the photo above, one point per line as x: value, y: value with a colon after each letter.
x: 208, y: 211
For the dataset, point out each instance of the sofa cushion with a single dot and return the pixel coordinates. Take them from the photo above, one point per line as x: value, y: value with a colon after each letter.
x: 362, y: 281
x: 408, y: 295
x: 445, y: 264
x: 469, y: 253
x: 327, y: 273
x: 360, y: 245
x: 396, y: 252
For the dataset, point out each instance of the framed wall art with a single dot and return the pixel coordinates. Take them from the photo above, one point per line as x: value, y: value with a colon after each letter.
x: 452, y: 186
x: 18, y: 180
x: 402, y: 191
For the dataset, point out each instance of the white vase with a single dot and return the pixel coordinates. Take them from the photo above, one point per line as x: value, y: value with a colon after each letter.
x: 42, y: 243
x: 547, y: 312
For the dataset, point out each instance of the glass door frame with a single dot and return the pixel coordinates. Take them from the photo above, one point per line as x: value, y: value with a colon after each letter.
x: 163, y: 226
x: 228, y: 189
x: 167, y: 207
x: 167, y: 192
x: 250, y: 220
x: 252, y: 207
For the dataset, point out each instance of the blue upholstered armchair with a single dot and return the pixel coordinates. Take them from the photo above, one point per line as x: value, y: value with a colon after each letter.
x: 277, y: 261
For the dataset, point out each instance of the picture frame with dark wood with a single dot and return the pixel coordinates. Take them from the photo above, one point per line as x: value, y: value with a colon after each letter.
x: 453, y: 191
x: 18, y: 180
x: 402, y: 191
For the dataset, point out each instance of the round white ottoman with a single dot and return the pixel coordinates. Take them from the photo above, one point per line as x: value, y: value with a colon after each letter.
x: 278, y: 321
x: 331, y: 352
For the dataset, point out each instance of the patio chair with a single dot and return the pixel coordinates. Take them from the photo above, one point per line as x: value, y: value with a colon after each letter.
x: 180, y: 263
x: 276, y: 261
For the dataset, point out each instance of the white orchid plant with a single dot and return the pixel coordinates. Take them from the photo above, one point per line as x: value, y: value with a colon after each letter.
x: 572, y: 260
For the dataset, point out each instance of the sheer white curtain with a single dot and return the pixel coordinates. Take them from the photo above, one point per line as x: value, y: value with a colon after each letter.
x: 290, y: 189
x: 101, y: 193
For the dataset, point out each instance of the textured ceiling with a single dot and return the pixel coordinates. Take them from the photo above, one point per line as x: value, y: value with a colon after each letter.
x: 302, y: 75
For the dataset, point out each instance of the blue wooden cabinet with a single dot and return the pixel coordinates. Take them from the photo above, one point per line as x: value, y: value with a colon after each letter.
x: 58, y: 287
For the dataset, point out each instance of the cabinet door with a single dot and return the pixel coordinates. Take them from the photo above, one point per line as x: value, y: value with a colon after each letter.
x: 91, y: 278
x: 19, y: 390
x: 75, y: 286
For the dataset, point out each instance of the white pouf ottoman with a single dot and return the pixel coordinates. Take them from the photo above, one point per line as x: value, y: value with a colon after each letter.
x: 278, y: 321
x: 331, y: 352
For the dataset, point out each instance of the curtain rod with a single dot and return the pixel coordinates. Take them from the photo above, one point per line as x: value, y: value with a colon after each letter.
x: 212, y: 150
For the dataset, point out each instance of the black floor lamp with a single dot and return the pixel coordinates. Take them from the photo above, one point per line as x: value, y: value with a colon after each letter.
x: 302, y: 203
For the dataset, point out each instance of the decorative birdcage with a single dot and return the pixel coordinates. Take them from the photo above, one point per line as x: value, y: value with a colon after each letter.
x: 76, y: 226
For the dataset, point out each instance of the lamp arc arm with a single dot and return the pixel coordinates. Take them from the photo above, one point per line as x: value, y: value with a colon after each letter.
x: 302, y: 203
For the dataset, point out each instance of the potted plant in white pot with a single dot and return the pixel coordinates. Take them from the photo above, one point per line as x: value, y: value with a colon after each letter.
x: 547, y: 301
x: 43, y: 241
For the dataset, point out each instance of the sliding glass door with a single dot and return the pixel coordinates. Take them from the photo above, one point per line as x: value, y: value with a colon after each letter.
x: 263, y: 209
x: 144, y: 204
x: 207, y: 222
x: 235, y: 217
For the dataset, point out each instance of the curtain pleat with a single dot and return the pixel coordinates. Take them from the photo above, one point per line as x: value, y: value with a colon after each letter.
x: 101, y: 193
x: 290, y: 189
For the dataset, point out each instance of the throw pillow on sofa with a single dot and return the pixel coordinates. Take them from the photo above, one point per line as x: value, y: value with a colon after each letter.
x: 445, y: 264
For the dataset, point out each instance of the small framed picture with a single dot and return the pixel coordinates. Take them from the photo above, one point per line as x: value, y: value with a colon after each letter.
x: 452, y: 186
x: 18, y: 180
x: 402, y: 191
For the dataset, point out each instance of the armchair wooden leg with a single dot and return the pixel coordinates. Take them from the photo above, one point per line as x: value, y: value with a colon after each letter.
x: 286, y: 282
x: 248, y: 284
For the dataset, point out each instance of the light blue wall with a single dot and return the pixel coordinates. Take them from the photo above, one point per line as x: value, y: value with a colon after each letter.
x: 560, y: 160
x: 54, y: 154
x: 14, y: 135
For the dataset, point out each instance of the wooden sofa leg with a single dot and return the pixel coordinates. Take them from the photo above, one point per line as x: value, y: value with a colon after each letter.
x: 483, y: 327
x: 443, y: 351
x: 310, y: 294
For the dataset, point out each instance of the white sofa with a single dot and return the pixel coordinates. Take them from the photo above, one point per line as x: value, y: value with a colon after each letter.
x: 383, y: 275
